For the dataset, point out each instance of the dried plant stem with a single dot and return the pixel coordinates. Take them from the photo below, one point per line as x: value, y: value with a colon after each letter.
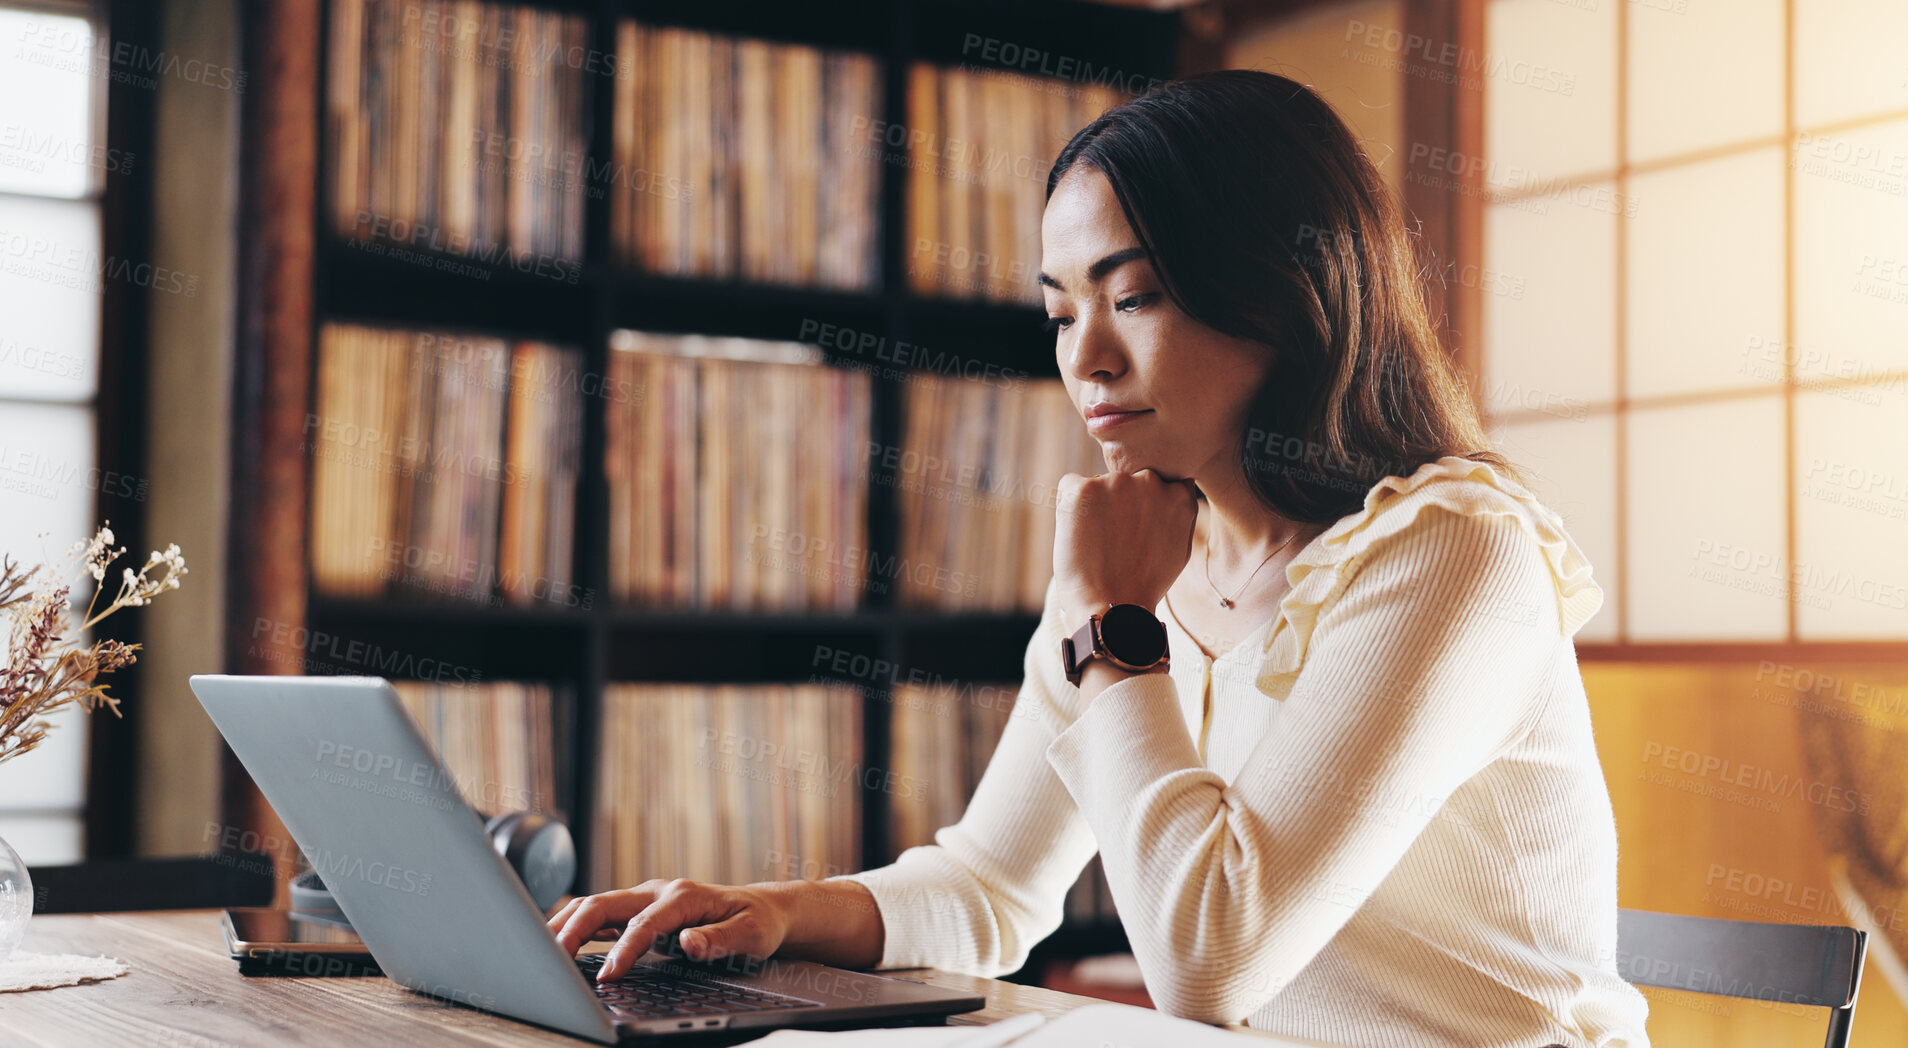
x: 44, y: 671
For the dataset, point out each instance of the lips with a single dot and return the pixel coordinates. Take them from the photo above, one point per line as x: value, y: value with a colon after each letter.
x: 1105, y: 416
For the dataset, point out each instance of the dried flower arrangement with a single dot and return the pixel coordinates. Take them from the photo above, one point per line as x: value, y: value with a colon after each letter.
x: 44, y: 668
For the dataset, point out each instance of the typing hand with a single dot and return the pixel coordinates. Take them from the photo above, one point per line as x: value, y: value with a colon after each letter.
x: 708, y: 921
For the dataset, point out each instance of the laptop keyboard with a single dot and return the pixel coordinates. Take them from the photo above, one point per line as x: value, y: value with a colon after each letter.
x: 646, y: 993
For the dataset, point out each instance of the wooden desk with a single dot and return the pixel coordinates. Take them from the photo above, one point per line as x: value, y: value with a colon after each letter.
x: 184, y: 990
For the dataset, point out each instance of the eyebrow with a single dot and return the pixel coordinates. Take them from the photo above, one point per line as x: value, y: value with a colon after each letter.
x: 1098, y: 270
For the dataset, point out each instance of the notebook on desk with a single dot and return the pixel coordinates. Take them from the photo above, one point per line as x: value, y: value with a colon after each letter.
x: 1098, y: 1025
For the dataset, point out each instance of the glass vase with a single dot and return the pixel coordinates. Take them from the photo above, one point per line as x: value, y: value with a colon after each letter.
x: 16, y: 899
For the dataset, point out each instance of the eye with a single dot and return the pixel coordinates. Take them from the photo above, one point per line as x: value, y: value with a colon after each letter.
x: 1129, y: 303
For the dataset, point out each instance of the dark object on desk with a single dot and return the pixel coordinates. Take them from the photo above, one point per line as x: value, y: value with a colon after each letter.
x: 538, y: 848
x: 202, y: 882
x: 1793, y: 963
x: 285, y: 942
x: 309, y: 896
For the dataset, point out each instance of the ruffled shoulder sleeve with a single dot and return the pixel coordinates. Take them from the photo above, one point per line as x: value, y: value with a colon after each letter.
x: 1395, y: 504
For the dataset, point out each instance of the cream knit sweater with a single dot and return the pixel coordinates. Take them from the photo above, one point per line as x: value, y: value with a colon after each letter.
x: 1400, y: 834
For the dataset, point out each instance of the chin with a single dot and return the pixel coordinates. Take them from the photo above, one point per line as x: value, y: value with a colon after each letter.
x: 1118, y: 457
x: 1121, y: 458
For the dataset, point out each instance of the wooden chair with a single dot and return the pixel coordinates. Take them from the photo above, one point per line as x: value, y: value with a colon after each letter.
x: 1790, y: 963
x: 202, y: 882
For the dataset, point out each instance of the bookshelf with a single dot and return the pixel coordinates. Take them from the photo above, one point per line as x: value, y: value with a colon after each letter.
x: 588, y: 648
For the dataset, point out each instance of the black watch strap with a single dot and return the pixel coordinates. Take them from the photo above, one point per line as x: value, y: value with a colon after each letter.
x: 1077, y: 649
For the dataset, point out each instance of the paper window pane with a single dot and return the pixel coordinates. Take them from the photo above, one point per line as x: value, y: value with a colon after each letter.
x: 47, y: 484
x: 1704, y: 522
x: 46, y: 105
x: 47, y: 480
x: 1558, y: 122
x: 50, y: 272
x: 1851, y: 253
x: 1704, y: 278
x: 1851, y: 514
x: 1571, y: 465
x: 51, y: 777
x: 1703, y: 74
x: 1550, y: 305
x: 1849, y: 59
x: 43, y: 840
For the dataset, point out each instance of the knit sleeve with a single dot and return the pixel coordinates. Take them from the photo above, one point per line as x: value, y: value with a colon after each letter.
x: 994, y: 884
x: 1422, y: 669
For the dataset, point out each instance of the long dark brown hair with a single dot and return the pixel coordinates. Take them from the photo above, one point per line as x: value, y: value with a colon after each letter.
x: 1265, y: 221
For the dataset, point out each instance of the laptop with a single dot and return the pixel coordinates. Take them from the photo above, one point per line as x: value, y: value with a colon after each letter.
x: 409, y: 863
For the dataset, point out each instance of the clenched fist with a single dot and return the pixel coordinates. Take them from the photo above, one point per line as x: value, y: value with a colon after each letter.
x: 1122, y: 538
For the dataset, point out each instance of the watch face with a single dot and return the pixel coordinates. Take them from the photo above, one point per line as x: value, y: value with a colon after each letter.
x: 1132, y: 635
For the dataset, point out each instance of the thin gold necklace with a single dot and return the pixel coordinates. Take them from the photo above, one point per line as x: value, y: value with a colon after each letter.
x: 1227, y: 602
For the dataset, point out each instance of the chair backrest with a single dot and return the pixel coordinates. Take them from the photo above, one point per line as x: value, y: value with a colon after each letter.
x: 202, y: 882
x: 1790, y: 963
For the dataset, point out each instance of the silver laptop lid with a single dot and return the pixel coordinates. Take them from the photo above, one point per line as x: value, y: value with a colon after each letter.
x: 408, y: 861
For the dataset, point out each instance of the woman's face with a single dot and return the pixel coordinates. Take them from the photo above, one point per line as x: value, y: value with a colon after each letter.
x: 1157, y: 389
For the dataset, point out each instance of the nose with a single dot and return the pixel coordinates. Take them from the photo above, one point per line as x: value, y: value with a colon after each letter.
x: 1096, y: 353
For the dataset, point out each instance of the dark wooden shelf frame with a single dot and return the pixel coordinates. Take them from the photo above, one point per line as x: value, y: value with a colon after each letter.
x: 121, y: 413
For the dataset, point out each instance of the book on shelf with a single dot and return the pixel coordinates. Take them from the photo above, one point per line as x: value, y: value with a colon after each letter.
x: 727, y: 783
x: 941, y: 738
x: 445, y: 465
x: 981, y: 143
x: 460, y: 127
x: 497, y: 740
x: 976, y: 490
x: 740, y: 158
x: 734, y: 474
x: 545, y: 427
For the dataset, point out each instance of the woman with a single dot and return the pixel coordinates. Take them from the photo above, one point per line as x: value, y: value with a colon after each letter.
x: 1359, y: 801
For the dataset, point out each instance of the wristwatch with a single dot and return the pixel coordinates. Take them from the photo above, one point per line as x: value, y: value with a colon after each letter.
x: 1126, y: 635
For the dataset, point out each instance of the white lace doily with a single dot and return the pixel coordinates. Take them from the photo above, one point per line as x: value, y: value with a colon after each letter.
x: 44, y: 971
